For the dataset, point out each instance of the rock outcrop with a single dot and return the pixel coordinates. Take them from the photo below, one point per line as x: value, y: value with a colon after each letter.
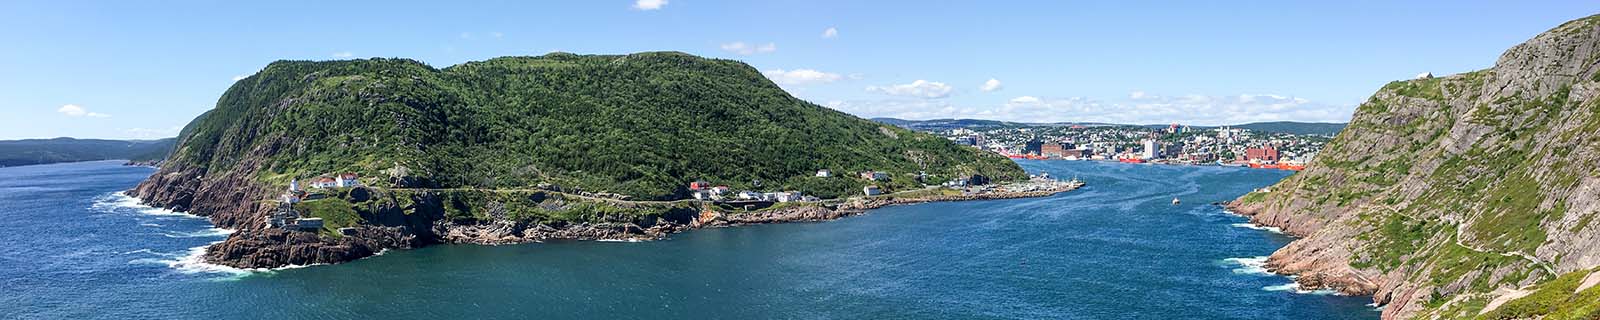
x: 1444, y: 192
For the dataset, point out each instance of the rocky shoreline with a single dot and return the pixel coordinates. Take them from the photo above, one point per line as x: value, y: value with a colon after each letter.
x: 254, y: 247
x: 1312, y: 267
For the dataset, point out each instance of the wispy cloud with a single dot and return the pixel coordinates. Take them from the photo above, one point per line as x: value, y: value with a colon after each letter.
x: 800, y: 76
x: 343, y: 54
x: 920, y: 89
x: 830, y: 33
x: 240, y: 77
x: 990, y: 86
x: 75, y: 111
x: 746, y: 49
x: 648, y: 5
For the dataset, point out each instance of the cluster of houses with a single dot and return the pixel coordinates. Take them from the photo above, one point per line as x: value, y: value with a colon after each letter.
x: 286, y: 217
x: 704, y: 191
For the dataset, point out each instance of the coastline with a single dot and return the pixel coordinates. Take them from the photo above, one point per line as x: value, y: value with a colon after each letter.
x: 274, y: 249
x: 1311, y: 273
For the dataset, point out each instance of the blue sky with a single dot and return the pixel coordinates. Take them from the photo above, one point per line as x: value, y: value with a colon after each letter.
x: 139, y: 70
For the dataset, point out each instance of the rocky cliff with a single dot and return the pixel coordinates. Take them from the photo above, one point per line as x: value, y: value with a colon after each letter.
x: 1446, y: 194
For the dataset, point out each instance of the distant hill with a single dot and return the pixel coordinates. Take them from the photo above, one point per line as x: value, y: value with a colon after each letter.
x: 1290, y: 127
x: 45, y: 151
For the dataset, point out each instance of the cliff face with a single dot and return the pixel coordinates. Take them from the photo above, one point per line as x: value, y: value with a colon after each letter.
x: 1445, y: 193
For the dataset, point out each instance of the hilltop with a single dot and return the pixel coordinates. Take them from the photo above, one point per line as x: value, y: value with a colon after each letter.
x: 1463, y: 196
x: 520, y: 148
x: 46, y: 151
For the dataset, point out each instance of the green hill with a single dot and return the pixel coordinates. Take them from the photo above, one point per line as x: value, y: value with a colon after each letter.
x: 643, y: 125
x: 45, y: 151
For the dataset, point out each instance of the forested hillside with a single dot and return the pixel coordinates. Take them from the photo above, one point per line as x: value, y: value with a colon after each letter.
x: 641, y: 124
x: 44, y: 151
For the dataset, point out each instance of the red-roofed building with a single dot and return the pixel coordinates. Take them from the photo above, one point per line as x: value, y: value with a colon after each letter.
x: 1267, y: 154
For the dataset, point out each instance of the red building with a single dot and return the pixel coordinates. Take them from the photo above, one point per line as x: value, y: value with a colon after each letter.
x: 1267, y: 154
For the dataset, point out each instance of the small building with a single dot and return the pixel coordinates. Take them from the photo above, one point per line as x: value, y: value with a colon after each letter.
x: 699, y: 185
x: 702, y: 195
x: 720, y: 190
x: 874, y: 175
x: 325, y: 183
x: 824, y: 173
x: 871, y: 190
x: 347, y: 180
x: 347, y: 231
x: 788, y: 196
x: 308, y: 224
x: 749, y: 195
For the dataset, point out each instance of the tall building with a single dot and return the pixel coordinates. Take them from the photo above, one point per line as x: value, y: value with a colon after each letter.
x: 1034, y: 147
x: 1152, y: 149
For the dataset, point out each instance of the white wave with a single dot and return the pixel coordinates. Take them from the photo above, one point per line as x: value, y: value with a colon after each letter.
x: 110, y: 203
x: 619, y: 240
x: 1295, y: 288
x: 1252, y: 265
x: 1259, y: 227
x: 208, y: 232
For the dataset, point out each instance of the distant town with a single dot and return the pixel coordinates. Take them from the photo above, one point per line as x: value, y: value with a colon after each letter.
x: 1173, y: 144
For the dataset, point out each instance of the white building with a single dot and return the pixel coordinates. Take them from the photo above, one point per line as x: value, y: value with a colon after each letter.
x: 824, y: 173
x: 1152, y: 149
x: 347, y: 180
x: 871, y: 190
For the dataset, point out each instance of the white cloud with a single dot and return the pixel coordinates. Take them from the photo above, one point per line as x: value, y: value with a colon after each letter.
x: 920, y: 88
x: 240, y: 77
x: 746, y: 49
x: 1023, y: 100
x: 1136, y: 95
x: 343, y: 54
x: 497, y: 35
x: 73, y: 110
x: 990, y: 86
x: 830, y: 33
x: 649, y: 4
x: 800, y: 76
x: 1143, y: 109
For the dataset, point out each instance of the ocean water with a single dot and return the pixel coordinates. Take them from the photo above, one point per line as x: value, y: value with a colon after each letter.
x: 1117, y: 249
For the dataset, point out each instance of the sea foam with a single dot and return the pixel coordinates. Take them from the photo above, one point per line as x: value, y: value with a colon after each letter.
x: 116, y: 202
x: 1259, y: 227
x: 1251, y: 266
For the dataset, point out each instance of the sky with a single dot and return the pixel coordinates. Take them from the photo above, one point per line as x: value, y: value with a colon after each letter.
x: 140, y: 70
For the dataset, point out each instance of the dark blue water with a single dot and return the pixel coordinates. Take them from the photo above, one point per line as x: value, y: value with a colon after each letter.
x: 1117, y: 249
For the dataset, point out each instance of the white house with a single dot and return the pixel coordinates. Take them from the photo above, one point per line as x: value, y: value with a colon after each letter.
x: 824, y: 173
x: 325, y: 183
x: 749, y: 195
x: 789, y: 196
x: 871, y: 190
x: 347, y: 180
